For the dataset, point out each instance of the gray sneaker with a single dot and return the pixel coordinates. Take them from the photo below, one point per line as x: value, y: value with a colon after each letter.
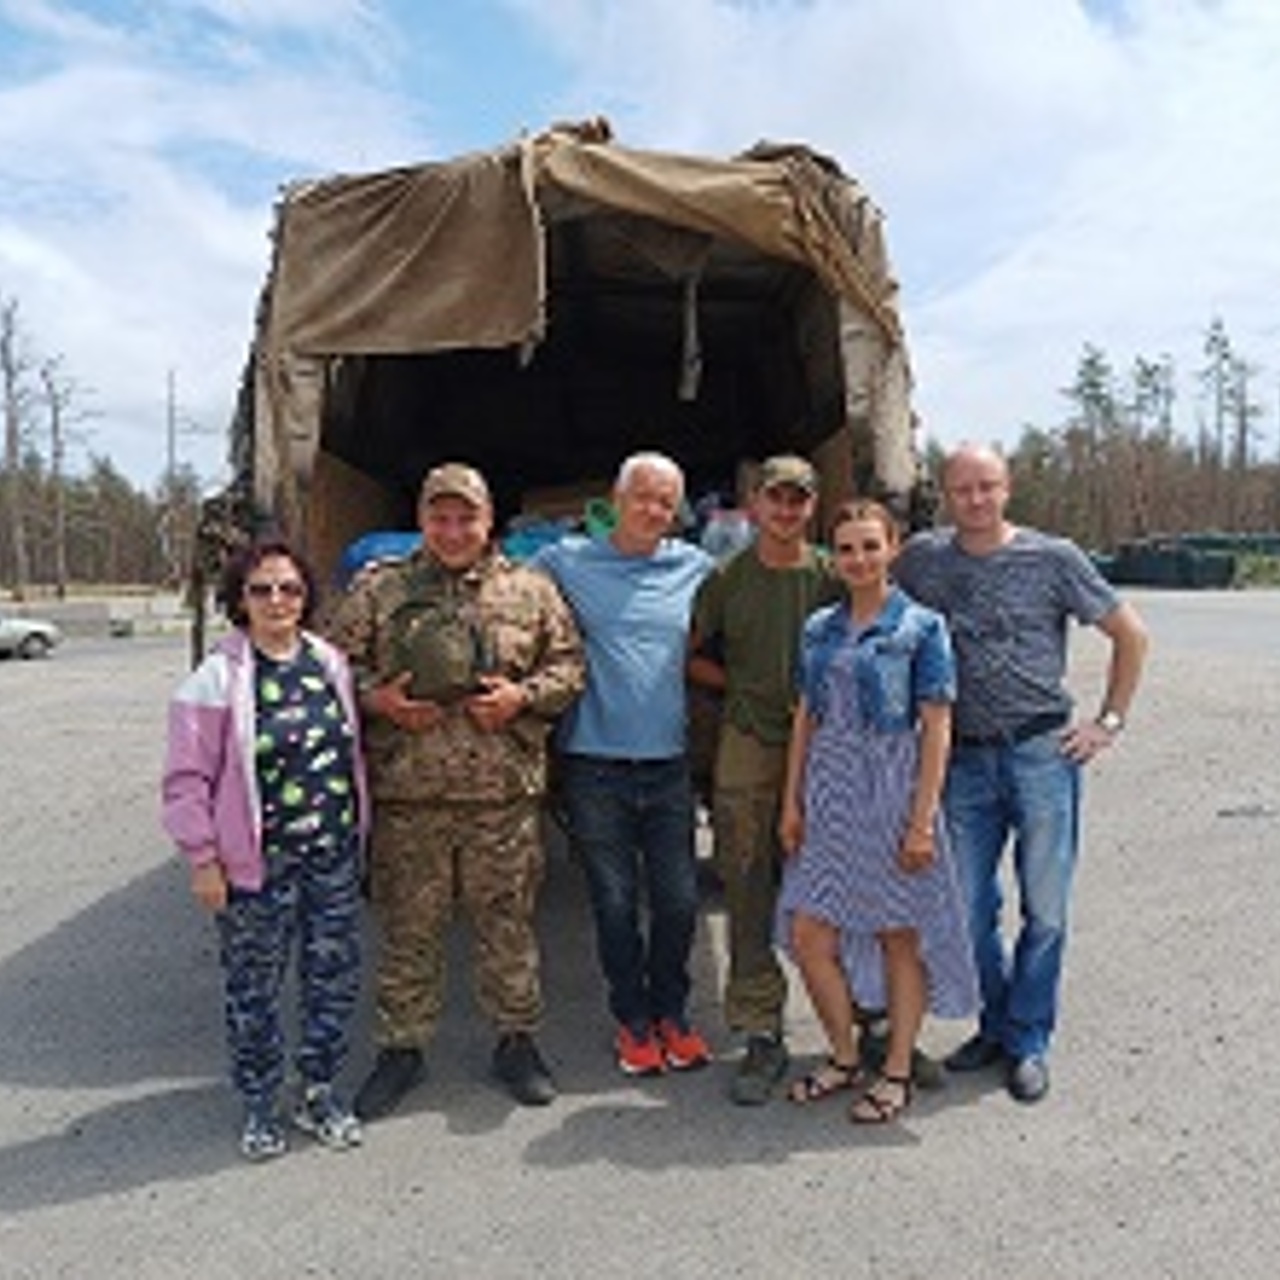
x: 330, y: 1122
x: 763, y: 1065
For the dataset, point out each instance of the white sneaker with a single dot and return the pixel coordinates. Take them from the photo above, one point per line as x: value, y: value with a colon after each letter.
x: 263, y: 1135
x: 329, y: 1121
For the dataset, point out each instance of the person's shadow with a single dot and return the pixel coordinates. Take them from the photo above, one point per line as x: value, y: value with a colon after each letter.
x: 120, y: 997
x: 126, y: 997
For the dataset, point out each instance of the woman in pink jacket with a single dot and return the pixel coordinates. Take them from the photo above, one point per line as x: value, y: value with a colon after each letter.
x: 264, y: 795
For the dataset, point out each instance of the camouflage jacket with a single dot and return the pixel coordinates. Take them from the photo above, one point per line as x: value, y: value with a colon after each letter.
x: 519, y: 627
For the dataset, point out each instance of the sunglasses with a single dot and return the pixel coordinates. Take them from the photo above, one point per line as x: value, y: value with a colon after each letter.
x: 290, y: 590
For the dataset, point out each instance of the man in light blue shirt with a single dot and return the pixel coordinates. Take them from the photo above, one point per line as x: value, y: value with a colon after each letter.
x: 626, y: 777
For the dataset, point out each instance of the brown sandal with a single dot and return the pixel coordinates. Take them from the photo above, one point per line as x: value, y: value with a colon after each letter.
x: 886, y: 1099
x: 823, y: 1081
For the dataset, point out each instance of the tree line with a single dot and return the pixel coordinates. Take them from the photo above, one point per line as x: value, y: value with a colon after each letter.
x: 59, y: 526
x: 1121, y: 465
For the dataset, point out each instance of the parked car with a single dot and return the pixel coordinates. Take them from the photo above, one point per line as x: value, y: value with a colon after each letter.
x: 27, y: 637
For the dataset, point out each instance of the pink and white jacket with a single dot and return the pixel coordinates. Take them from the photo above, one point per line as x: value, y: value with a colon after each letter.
x: 211, y: 806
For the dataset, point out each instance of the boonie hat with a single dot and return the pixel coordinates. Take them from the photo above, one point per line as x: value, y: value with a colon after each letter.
x: 456, y: 480
x: 789, y: 469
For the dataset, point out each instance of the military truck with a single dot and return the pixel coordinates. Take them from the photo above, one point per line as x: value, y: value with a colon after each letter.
x: 545, y: 308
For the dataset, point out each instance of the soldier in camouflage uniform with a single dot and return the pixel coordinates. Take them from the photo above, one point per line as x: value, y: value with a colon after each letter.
x: 461, y: 661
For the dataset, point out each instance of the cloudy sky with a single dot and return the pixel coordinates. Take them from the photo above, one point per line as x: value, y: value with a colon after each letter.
x: 1054, y: 172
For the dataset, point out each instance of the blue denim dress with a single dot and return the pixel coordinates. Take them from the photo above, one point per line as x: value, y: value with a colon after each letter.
x: 859, y: 779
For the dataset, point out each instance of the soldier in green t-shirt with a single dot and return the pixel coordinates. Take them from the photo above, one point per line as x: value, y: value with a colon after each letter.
x: 749, y: 613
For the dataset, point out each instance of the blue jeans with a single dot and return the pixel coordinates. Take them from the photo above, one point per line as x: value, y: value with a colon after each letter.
x: 1028, y: 791
x: 631, y: 823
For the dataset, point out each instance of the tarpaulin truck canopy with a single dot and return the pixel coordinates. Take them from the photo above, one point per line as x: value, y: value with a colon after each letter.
x: 544, y: 309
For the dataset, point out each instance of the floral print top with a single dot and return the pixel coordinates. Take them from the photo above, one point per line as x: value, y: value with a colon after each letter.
x: 303, y: 754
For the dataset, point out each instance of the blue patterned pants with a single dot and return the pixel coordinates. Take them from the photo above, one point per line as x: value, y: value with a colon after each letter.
x: 310, y: 902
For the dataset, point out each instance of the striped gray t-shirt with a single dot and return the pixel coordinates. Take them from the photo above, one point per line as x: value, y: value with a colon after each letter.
x: 1008, y: 612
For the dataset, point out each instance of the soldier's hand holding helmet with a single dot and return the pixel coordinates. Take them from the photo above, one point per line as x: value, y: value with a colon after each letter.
x: 496, y: 702
x: 392, y: 700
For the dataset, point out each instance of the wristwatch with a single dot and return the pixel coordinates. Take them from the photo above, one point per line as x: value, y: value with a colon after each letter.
x: 1111, y: 721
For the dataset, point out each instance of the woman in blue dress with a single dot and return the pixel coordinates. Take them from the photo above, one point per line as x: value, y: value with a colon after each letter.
x: 870, y: 908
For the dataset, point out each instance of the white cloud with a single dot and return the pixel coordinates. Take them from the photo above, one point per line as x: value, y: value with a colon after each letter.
x: 1153, y: 230
x: 60, y: 22
x: 296, y: 14
x: 135, y: 199
x: 1049, y: 177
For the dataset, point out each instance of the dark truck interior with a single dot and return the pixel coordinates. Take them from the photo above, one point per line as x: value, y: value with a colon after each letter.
x: 657, y: 338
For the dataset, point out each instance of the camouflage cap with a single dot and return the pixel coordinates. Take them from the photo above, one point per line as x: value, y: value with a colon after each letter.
x: 787, y: 469
x: 456, y: 480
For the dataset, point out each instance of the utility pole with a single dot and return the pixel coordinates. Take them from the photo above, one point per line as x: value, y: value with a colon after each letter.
x: 57, y: 397
x: 169, y: 539
x: 181, y: 489
x: 171, y: 428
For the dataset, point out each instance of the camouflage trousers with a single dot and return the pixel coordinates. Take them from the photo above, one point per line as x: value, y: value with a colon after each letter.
x: 748, y: 791
x: 424, y: 858
x: 311, y: 900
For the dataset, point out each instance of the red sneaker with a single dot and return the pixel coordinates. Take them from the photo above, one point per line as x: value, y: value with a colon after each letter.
x: 682, y: 1046
x: 638, y: 1055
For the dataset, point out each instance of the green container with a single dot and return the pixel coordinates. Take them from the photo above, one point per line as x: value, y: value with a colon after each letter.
x: 600, y: 517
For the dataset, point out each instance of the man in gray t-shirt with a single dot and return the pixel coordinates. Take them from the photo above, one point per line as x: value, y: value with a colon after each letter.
x: 1009, y: 595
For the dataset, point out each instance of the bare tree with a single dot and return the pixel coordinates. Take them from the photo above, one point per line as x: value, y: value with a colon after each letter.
x: 1118, y: 468
x: 1095, y: 438
x: 1247, y: 500
x: 1216, y: 382
x: 59, y: 394
x: 14, y: 367
x: 1151, y: 415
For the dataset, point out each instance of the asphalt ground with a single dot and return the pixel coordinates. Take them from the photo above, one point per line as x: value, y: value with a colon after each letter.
x: 1155, y: 1154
